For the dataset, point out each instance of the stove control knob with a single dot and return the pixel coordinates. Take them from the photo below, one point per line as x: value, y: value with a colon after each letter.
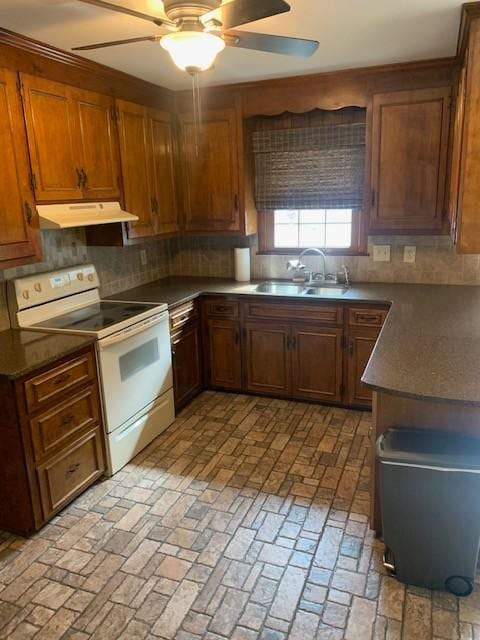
x: 26, y: 294
x: 90, y: 277
x: 38, y: 287
x: 80, y: 276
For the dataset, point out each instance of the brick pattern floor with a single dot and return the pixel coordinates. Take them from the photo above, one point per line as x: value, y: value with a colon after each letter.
x: 247, y: 519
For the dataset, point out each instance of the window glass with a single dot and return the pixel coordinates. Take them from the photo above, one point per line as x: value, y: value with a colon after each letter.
x: 327, y: 228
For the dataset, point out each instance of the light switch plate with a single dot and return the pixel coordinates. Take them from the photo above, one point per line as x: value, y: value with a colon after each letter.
x: 381, y: 253
x: 409, y: 254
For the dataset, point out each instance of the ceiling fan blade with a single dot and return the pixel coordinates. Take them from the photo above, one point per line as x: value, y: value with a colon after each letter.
x: 114, y: 43
x: 271, y: 44
x: 238, y: 12
x: 129, y: 12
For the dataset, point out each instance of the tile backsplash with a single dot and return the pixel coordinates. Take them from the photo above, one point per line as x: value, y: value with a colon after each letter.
x: 121, y: 268
x: 436, y: 261
x: 118, y: 268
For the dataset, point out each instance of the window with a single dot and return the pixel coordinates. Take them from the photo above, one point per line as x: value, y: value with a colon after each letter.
x: 323, y: 228
x: 309, y: 181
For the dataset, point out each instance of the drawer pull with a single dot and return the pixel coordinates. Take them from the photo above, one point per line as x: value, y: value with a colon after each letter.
x: 62, y: 379
x: 73, y: 468
x: 368, y: 318
x: 183, y: 318
x: 66, y: 422
x: 222, y: 309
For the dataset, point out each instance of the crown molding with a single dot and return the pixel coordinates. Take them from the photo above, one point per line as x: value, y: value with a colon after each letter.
x: 32, y: 50
x: 470, y: 12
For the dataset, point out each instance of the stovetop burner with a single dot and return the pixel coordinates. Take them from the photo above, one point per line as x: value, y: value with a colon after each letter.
x: 95, y: 317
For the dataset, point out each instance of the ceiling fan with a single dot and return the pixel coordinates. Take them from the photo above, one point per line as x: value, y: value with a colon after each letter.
x: 196, y: 31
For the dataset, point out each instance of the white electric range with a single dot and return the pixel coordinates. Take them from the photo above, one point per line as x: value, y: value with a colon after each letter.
x: 133, y: 351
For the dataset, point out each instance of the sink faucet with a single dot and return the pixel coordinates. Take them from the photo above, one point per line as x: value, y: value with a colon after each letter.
x: 297, y: 265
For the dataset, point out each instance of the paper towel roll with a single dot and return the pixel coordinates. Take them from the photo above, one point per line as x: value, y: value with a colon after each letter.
x: 242, y: 265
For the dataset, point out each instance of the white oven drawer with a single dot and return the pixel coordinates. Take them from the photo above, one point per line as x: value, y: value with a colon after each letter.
x: 135, y: 369
x: 127, y: 441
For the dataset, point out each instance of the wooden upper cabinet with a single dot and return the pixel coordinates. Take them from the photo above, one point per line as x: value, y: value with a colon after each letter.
x: 72, y: 140
x: 409, y: 160
x: 210, y: 172
x: 19, y: 232
x: 98, y: 146
x: 465, y: 175
x: 164, y: 172
x: 135, y: 150
x: 52, y: 139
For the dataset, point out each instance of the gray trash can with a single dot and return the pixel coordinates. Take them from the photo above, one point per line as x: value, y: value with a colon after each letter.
x: 430, y: 498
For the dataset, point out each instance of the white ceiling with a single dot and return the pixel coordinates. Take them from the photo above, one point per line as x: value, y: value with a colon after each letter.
x: 352, y: 33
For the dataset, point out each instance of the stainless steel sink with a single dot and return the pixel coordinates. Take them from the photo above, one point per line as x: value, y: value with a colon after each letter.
x: 325, y: 292
x: 292, y: 289
x: 282, y: 288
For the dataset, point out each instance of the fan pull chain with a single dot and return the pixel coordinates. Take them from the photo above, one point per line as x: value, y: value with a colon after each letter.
x: 197, y: 111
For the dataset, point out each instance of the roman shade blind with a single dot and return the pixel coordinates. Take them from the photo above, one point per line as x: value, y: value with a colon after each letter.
x: 317, y: 167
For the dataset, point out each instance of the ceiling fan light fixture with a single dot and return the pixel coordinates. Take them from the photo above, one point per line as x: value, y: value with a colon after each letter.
x: 193, y: 51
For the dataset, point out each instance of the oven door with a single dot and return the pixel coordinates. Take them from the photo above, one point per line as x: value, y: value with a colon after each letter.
x: 135, y: 369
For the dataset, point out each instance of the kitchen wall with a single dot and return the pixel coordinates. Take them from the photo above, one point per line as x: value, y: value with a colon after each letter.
x: 121, y: 268
x: 436, y: 261
x: 118, y: 268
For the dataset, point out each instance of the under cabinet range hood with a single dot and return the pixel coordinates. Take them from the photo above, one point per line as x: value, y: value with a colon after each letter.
x: 81, y: 214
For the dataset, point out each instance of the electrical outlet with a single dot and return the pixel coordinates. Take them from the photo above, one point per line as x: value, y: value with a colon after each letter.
x: 381, y: 253
x: 409, y: 254
x: 143, y: 257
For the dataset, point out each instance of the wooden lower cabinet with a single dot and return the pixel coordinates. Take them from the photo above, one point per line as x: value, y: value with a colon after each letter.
x: 187, y: 364
x: 360, y: 346
x: 51, y: 440
x: 267, y: 358
x: 291, y: 350
x: 224, y: 354
x: 71, y: 471
x: 317, y: 363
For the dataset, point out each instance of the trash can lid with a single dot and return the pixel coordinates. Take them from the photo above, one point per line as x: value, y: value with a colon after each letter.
x: 426, y: 448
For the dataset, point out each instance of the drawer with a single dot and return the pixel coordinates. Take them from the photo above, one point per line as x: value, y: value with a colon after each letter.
x: 324, y: 314
x: 220, y: 307
x: 52, y: 384
x: 64, y: 422
x: 183, y: 314
x: 65, y: 476
x: 366, y: 317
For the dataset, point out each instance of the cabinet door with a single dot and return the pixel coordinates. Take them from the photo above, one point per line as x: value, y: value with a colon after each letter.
x: 135, y: 151
x: 267, y: 358
x: 164, y: 172
x: 187, y: 367
x: 210, y: 172
x: 98, y: 144
x: 409, y: 159
x: 224, y: 354
x: 360, y: 346
x: 317, y: 363
x: 52, y: 139
x: 19, y: 233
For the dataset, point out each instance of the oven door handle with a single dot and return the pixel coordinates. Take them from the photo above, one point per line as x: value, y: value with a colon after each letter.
x: 133, y: 331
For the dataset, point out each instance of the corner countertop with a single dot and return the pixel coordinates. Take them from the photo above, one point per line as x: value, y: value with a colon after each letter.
x: 429, y: 347
x: 22, y: 352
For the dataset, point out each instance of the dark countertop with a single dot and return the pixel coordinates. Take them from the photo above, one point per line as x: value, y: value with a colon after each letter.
x: 22, y: 352
x: 429, y: 347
